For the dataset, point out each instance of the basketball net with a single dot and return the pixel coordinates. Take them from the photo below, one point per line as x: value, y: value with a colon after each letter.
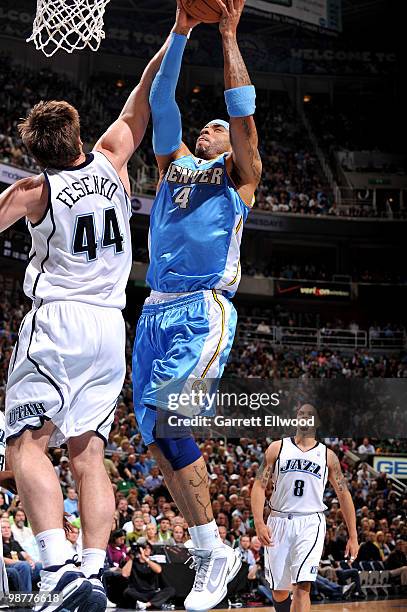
x: 68, y: 25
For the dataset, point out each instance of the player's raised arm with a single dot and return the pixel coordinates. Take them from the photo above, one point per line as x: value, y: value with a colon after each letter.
x: 167, y: 127
x: 258, y: 494
x: 340, y: 485
x: 240, y: 100
x: 124, y: 136
x: 26, y: 198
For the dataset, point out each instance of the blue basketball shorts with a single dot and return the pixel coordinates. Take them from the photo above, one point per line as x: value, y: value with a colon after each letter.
x: 180, y: 342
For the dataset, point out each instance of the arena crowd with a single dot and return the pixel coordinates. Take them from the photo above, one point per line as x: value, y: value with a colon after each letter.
x: 292, y: 179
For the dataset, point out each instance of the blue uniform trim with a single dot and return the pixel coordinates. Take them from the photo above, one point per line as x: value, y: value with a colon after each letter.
x: 180, y: 452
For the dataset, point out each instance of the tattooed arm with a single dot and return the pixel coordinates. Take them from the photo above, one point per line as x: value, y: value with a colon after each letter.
x: 340, y: 485
x: 244, y: 165
x: 258, y: 495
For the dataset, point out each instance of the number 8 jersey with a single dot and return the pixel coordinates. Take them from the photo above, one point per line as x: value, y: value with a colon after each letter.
x: 81, y: 248
x: 299, y: 478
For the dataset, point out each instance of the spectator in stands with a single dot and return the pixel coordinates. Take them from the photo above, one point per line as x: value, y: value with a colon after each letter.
x: 131, y: 471
x: 244, y: 551
x: 179, y: 535
x: 154, y: 481
x: 112, y: 470
x: 331, y: 589
x: 143, y: 465
x: 64, y: 474
x: 164, y: 532
x: 71, y: 502
x: 73, y: 543
x: 116, y: 549
x: 381, y: 544
x: 369, y: 551
x: 263, y: 328
x: 223, y: 532
x: 144, y: 587
x: 150, y: 535
x: 134, y: 529
x: 123, y: 513
x: 396, y: 562
x: 3, y: 503
x: 366, y: 448
x: 23, y: 534
x: 14, y: 555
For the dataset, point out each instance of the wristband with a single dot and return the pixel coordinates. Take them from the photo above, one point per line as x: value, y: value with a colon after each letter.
x: 241, y: 101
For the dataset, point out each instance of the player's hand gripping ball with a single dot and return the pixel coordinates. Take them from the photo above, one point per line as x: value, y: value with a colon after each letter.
x: 206, y: 11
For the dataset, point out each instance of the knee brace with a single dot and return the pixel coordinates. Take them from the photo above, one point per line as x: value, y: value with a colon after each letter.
x: 282, y: 606
x: 180, y: 452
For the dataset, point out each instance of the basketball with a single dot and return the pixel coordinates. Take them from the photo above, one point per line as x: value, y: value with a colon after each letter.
x: 206, y: 11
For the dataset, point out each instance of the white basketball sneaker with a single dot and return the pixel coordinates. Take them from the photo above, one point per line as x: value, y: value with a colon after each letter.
x: 214, y: 570
x: 66, y: 586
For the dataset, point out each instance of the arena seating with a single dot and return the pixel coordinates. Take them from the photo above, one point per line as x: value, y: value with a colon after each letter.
x: 292, y: 178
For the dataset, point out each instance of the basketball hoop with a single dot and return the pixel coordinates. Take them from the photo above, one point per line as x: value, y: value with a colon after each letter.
x: 68, y: 25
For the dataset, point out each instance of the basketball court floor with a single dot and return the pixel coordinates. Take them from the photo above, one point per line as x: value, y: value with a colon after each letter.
x: 385, y: 605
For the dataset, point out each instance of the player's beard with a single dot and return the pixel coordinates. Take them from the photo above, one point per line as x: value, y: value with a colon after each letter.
x: 204, y: 151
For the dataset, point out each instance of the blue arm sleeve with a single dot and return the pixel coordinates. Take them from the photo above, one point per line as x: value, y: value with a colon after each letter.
x: 167, y: 128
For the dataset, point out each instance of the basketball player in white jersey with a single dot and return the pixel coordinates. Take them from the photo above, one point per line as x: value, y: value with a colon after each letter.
x: 3, y: 483
x: 68, y: 365
x: 299, y: 468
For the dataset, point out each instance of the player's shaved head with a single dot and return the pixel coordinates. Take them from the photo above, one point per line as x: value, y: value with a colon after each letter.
x: 213, y: 140
x: 51, y: 133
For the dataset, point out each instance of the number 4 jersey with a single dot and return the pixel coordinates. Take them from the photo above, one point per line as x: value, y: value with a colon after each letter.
x: 299, y: 478
x: 81, y: 248
x: 196, y: 228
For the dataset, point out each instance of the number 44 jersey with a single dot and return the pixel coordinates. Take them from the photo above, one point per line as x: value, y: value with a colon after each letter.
x: 81, y: 248
x: 299, y: 478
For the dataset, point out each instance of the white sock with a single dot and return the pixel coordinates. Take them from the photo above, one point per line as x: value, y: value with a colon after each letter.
x: 207, y: 536
x: 52, y: 547
x: 93, y: 559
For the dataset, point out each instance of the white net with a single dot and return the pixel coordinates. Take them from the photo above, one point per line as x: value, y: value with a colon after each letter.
x: 68, y: 25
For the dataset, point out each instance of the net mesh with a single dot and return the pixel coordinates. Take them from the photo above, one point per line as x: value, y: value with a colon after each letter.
x: 68, y: 25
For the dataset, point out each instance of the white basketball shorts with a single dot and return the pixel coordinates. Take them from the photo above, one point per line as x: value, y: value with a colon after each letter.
x: 298, y: 542
x: 68, y: 366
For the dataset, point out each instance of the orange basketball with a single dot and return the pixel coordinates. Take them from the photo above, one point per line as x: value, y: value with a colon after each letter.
x: 207, y: 11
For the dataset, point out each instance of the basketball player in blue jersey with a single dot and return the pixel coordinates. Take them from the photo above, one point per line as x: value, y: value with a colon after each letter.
x: 68, y: 365
x: 186, y: 329
x: 298, y: 469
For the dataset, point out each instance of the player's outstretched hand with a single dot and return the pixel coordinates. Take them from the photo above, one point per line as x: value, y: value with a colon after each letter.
x: 263, y: 533
x: 183, y: 22
x: 231, y: 13
x: 352, y: 549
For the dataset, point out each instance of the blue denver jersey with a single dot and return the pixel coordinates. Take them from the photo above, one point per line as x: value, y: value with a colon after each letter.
x: 196, y: 229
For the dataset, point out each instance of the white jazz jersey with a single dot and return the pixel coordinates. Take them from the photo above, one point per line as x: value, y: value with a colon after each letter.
x: 3, y: 574
x: 299, y: 478
x: 81, y: 248
x: 296, y: 521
